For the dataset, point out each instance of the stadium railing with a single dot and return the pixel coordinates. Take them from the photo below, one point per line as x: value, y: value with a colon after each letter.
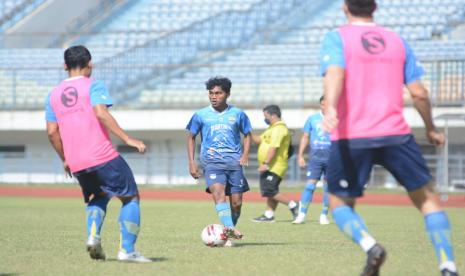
x: 172, y: 169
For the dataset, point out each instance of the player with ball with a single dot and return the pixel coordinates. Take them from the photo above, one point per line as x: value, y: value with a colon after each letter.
x: 221, y: 154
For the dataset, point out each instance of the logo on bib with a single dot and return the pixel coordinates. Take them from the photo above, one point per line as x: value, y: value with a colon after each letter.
x: 69, y: 96
x: 373, y: 43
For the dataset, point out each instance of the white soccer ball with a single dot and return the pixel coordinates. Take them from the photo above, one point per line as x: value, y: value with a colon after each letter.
x: 213, y: 235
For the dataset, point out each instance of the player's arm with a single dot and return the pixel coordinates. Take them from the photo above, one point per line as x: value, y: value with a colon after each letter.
x: 55, y: 139
x: 106, y: 119
x: 422, y: 104
x: 255, y: 138
x: 302, y: 146
x: 333, y: 85
x: 193, y: 168
x: 244, y: 161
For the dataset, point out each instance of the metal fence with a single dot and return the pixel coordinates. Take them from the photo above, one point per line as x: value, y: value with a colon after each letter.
x: 169, y: 169
x: 293, y: 85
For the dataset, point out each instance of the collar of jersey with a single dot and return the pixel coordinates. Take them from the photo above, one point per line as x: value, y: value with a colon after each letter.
x: 74, y: 78
x: 226, y: 109
x: 361, y: 23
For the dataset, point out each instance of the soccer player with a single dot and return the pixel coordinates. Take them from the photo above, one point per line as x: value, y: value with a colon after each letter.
x: 78, y: 122
x: 365, y: 68
x: 317, y: 166
x: 221, y: 155
x: 273, y: 156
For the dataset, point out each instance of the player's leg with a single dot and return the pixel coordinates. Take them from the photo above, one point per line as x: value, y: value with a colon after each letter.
x: 95, y: 212
x: 313, y: 175
x: 347, y: 175
x: 216, y: 181
x: 266, y: 190
x: 236, y: 206
x: 236, y: 185
x: 324, y: 211
x: 291, y: 204
x: 437, y: 226
x: 118, y: 180
x: 408, y: 166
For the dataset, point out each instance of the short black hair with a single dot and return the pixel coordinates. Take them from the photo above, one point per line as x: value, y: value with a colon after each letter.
x: 222, y: 82
x: 273, y: 109
x: 362, y: 8
x: 322, y: 98
x: 77, y: 57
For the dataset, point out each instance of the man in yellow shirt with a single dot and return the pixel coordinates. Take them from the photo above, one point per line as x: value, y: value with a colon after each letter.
x: 272, y: 158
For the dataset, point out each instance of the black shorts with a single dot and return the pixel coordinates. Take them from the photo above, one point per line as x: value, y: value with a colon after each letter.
x: 269, y: 184
x: 114, y: 178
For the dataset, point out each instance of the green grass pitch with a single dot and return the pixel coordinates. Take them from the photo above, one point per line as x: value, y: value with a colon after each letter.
x: 47, y: 237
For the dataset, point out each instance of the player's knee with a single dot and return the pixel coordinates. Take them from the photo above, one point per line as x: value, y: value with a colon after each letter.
x: 310, y: 186
x: 236, y: 204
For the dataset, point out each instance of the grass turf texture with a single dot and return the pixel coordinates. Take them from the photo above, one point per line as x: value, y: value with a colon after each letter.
x: 47, y: 237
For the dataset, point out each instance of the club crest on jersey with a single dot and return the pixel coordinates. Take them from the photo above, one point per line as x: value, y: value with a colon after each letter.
x: 231, y: 119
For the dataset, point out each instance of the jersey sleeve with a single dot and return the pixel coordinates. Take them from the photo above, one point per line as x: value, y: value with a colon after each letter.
x: 49, y: 113
x: 195, y: 124
x: 244, y: 123
x: 308, y: 126
x: 99, y: 94
x: 413, y: 70
x: 277, y: 136
x: 332, y: 52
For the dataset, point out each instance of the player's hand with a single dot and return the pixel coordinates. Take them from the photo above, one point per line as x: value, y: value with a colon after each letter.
x: 436, y: 138
x: 244, y: 161
x: 263, y: 168
x: 301, y: 162
x: 138, y: 144
x: 194, y: 170
x: 67, y: 170
x: 330, y: 120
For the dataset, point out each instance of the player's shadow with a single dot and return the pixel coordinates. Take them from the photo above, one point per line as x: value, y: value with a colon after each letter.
x: 155, y: 260
x: 9, y: 274
x: 241, y: 244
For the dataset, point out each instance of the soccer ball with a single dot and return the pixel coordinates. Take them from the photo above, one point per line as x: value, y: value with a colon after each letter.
x: 213, y: 235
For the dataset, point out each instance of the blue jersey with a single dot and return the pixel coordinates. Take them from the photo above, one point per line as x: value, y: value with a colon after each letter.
x: 220, y: 136
x: 320, y: 141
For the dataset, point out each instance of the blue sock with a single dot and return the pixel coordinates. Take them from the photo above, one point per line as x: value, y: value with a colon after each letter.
x: 439, y: 231
x: 95, y: 213
x: 224, y: 213
x: 307, y: 197
x: 129, y: 222
x: 325, y: 209
x: 235, y: 217
x: 353, y: 226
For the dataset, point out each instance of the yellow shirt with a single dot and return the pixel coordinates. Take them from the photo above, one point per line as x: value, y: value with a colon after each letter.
x: 277, y: 135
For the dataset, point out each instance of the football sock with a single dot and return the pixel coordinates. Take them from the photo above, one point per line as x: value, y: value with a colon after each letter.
x: 325, y: 209
x: 269, y: 213
x: 224, y: 213
x: 292, y: 204
x: 129, y: 222
x: 306, y: 198
x: 439, y: 231
x: 95, y: 214
x: 235, y: 216
x: 353, y: 226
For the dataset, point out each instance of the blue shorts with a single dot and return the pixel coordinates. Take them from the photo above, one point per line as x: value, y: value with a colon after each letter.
x: 114, y: 178
x: 350, y: 168
x: 235, y: 181
x: 317, y: 168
